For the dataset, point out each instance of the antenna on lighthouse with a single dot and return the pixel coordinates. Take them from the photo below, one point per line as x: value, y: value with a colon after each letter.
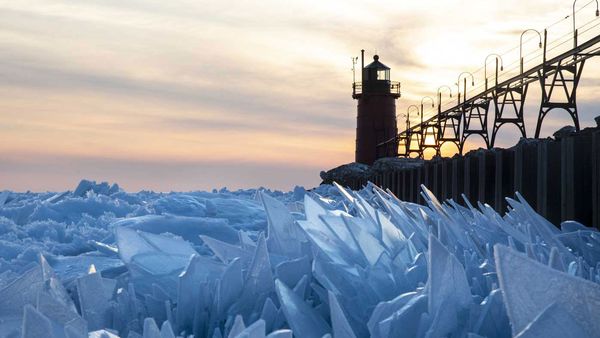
x: 354, y: 61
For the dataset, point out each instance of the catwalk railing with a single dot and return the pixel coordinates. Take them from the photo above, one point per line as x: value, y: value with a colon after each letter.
x: 558, y: 77
x: 391, y: 87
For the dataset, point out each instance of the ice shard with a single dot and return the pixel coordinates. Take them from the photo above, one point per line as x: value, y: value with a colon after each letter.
x: 93, y: 301
x: 103, y: 334
x: 166, y: 331
x: 449, y: 294
x: 199, y: 269
x: 260, y: 273
x: 529, y: 288
x: 4, y: 197
x: 255, y: 330
x: 492, y: 320
x: 280, y: 334
x: 189, y: 228
x: 303, y: 320
x: 35, y: 325
x: 237, y: 328
x: 61, y: 314
x: 151, y: 329
x: 371, y: 247
x: 39, y: 287
x: 342, y: 264
x: 339, y: 323
x: 554, y: 322
x: 291, y: 271
x: 133, y: 243
x: 227, y: 252
x: 284, y: 236
x: 405, y: 321
x: 153, y: 259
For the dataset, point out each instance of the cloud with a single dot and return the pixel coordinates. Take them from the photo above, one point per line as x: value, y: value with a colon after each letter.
x: 262, y: 82
x: 224, y: 97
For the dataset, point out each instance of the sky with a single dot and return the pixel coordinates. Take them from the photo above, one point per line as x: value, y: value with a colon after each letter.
x: 185, y: 95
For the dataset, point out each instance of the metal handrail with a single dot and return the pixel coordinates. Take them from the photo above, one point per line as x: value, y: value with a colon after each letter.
x: 394, y: 88
x: 527, y: 77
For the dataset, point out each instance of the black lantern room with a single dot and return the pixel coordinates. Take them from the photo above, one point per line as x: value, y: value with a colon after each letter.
x: 376, y: 77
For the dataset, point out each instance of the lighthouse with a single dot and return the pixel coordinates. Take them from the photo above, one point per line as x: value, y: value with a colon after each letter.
x: 376, y: 118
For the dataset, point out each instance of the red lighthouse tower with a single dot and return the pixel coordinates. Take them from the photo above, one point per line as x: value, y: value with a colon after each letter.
x: 376, y: 120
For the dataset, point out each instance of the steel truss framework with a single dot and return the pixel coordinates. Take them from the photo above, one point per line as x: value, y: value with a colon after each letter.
x: 558, y: 78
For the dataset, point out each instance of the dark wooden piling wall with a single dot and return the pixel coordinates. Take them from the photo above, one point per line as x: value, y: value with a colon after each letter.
x: 526, y: 171
x: 471, y: 177
x: 560, y: 179
x: 457, y: 179
x: 596, y: 180
x: 487, y: 176
x: 549, y: 181
x: 504, y: 186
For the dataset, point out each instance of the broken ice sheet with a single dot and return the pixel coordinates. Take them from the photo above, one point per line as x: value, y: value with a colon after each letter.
x: 94, y: 301
x: 447, y: 283
x: 553, y: 322
x: 132, y: 243
x: 189, y: 228
x: 68, y: 268
x: 530, y: 287
x: 227, y: 252
x: 284, y: 236
x: 4, y: 197
x: 341, y: 326
x: 303, y: 320
x: 153, y: 258
x: 198, y: 270
x: 365, y: 269
x: 38, y: 287
x: 35, y: 324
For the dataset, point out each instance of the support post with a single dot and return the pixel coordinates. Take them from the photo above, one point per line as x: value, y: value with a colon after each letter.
x: 504, y: 183
x: 471, y: 180
x: 487, y: 176
x: 596, y: 179
x: 548, y: 181
x: 420, y: 180
x: 526, y: 170
x: 437, y: 179
x: 446, y: 179
x: 576, y: 170
x: 413, y: 185
x: 404, y: 189
x: 458, y: 179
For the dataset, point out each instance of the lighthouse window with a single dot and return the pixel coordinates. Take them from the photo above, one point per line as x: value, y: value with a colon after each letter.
x: 383, y: 74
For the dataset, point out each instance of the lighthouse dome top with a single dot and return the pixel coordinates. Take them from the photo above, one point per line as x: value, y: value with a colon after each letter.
x: 376, y: 64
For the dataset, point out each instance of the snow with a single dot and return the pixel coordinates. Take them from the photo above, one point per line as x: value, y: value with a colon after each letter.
x: 102, y: 262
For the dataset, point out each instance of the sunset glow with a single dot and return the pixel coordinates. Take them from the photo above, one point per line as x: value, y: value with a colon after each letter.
x: 189, y: 92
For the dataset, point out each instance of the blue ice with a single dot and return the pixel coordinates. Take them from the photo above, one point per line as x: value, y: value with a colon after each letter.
x: 329, y: 262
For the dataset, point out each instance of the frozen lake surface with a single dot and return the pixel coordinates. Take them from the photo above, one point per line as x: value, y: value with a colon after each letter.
x: 101, y: 262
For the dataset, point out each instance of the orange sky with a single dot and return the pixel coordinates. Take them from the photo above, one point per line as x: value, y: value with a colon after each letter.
x: 184, y: 95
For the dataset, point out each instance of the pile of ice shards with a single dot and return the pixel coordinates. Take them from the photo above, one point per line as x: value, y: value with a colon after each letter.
x: 339, y: 264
